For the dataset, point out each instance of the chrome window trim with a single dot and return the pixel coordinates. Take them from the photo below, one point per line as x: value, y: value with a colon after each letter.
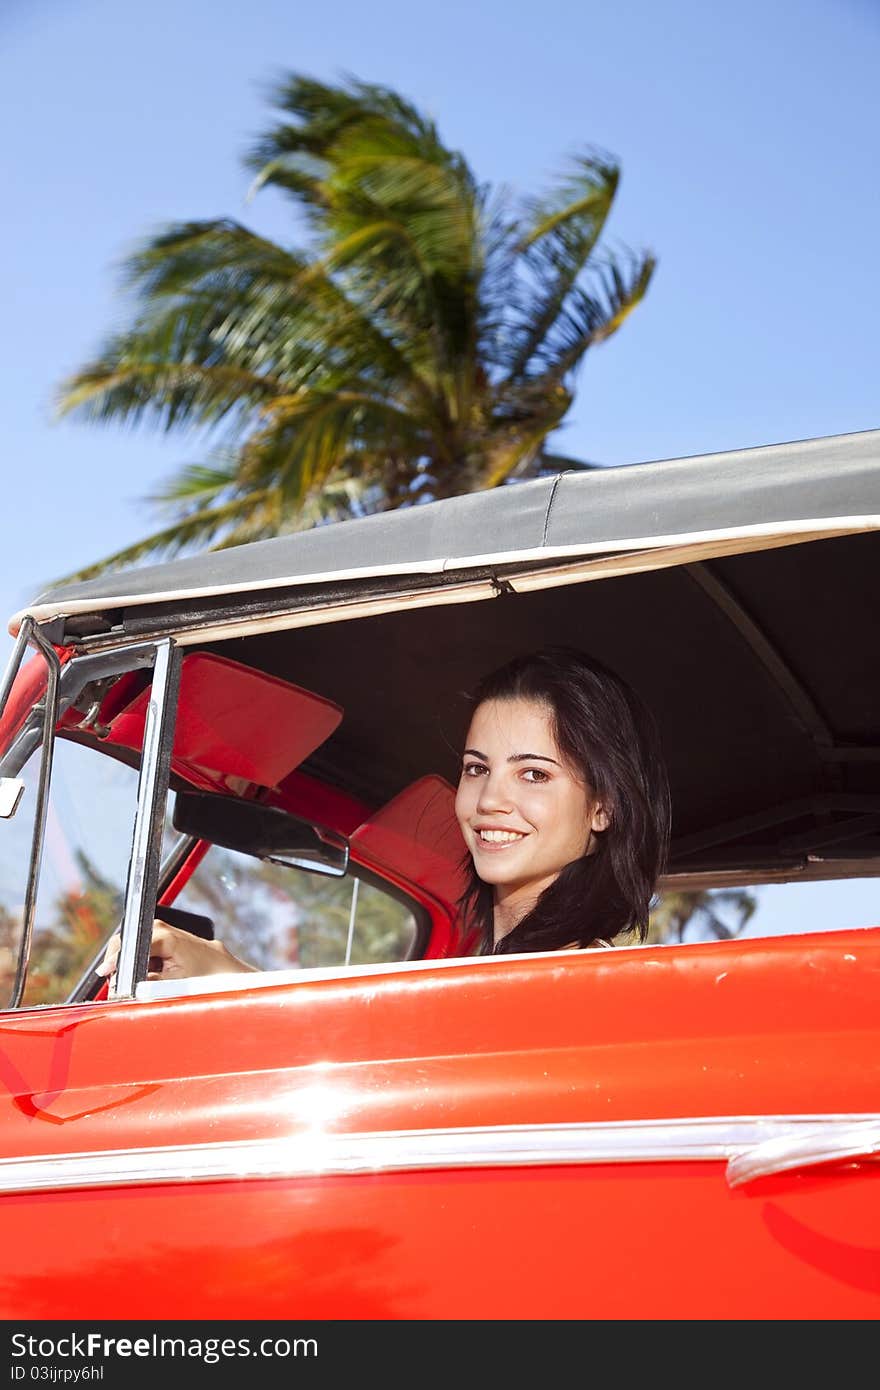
x: 751, y: 1146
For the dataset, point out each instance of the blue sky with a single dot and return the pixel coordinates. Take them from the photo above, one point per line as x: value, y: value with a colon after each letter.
x: 748, y: 138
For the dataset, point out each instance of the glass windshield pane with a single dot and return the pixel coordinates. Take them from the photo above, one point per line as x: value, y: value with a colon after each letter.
x: 277, y: 918
x: 85, y: 861
x: 20, y: 767
x: 88, y: 842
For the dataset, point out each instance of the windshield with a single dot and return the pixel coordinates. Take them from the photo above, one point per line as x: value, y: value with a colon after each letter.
x: 87, y: 843
x: 89, y: 828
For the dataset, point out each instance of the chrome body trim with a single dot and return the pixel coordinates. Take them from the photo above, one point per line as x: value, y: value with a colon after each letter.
x: 718, y: 1139
x: 825, y: 1144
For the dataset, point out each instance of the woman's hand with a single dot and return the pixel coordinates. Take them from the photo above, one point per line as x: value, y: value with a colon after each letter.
x: 176, y: 955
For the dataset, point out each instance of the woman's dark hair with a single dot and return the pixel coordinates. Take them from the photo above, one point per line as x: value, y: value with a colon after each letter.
x: 610, y: 739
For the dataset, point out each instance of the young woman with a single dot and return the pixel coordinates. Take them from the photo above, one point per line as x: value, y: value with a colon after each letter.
x: 563, y: 804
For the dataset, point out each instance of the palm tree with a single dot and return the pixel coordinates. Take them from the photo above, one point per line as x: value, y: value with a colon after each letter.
x: 422, y: 342
x: 719, y: 914
x: 84, y: 918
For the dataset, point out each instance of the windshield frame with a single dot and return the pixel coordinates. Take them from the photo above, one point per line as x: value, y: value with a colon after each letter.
x: 47, y: 716
x: 39, y: 728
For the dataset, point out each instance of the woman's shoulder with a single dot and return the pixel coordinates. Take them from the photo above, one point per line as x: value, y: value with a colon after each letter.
x: 598, y: 944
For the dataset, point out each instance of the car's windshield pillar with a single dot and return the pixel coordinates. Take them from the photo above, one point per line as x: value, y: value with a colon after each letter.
x: 143, y: 877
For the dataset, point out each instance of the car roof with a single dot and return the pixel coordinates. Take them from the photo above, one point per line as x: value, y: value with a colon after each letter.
x: 742, y: 498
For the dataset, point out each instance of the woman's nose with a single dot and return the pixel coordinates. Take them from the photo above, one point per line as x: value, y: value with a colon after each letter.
x: 494, y: 796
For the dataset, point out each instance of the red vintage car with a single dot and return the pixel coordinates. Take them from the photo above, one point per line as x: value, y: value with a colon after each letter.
x: 378, y: 1123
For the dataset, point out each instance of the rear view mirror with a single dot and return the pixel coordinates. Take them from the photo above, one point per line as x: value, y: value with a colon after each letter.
x: 263, y: 831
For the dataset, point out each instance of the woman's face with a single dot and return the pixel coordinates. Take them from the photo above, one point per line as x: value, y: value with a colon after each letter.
x: 523, y: 811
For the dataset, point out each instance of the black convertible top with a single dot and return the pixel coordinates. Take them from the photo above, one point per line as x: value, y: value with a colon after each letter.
x: 816, y: 484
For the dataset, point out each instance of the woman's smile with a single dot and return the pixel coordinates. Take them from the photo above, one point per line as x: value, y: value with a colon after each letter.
x: 491, y: 838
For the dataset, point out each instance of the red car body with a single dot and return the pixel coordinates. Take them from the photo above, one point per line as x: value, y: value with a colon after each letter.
x: 659, y: 1131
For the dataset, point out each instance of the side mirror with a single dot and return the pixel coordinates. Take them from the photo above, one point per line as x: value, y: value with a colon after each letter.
x: 262, y: 831
x: 11, y: 789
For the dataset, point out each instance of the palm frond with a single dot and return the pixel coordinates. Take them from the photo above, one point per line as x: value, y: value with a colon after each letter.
x: 322, y: 113
x: 588, y: 319
x: 556, y: 249
x: 306, y: 437
x: 197, y: 482
x: 227, y: 323
x: 586, y: 194
x: 720, y: 913
x: 111, y: 389
x: 422, y: 339
x: 181, y: 255
x: 195, y: 530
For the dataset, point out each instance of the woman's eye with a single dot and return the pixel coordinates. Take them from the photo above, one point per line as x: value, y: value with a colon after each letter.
x: 473, y: 769
x: 535, y: 774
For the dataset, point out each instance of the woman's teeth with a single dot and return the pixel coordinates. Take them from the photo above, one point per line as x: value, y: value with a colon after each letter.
x: 500, y: 837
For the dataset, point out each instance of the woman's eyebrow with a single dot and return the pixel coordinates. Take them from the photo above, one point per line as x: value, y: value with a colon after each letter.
x: 514, y: 757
